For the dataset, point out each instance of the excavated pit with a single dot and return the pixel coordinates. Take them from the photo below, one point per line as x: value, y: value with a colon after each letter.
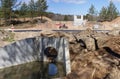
x: 35, y: 58
x: 93, y: 55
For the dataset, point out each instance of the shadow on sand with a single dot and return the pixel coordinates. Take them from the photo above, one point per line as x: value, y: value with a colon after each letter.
x: 110, y: 51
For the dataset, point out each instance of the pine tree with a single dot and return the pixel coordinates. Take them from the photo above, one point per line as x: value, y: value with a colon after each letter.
x: 41, y: 7
x: 32, y: 8
x: 92, y: 10
x: 23, y: 10
x: 7, y: 7
x: 103, y: 14
x: 112, y: 12
x: 92, y: 13
x: 65, y: 18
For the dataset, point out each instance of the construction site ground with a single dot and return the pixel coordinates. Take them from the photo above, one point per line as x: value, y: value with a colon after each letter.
x: 100, y: 62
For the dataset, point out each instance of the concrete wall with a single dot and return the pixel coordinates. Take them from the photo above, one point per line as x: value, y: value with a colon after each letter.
x: 32, y: 49
x: 62, y: 47
x: 17, y: 53
x: 78, y: 22
x: 57, y: 43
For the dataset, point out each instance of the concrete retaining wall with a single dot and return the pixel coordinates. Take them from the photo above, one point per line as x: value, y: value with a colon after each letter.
x: 32, y: 49
x: 62, y: 47
x: 22, y: 51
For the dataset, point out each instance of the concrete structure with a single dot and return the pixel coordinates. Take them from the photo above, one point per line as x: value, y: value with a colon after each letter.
x: 32, y: 49
x: 18, y: 53
x: 79, y: 21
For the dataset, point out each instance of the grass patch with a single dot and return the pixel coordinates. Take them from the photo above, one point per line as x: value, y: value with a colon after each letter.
x: 9, y: 37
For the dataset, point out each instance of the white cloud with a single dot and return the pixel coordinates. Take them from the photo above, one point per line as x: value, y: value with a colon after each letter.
x: 115, y: 0
x: 26, y: 1
x: 71, y: 1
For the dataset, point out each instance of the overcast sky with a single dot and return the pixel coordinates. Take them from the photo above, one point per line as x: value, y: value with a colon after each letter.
x: 76, y: 7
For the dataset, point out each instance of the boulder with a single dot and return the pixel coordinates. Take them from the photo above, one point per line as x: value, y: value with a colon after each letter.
x: 89, y: 43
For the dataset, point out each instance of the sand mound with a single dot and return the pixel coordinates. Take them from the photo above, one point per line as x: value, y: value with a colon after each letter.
x: 117, y: 20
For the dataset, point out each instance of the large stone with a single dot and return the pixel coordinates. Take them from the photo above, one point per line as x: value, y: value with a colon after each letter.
x: 90, y: 44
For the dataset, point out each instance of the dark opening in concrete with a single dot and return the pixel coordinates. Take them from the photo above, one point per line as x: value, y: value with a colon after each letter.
x: 51, y: 53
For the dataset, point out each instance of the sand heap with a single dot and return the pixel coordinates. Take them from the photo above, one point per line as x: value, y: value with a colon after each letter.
x: 115, y: 24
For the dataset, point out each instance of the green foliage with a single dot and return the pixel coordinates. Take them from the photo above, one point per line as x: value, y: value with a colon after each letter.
x: 23, y: 9
x: 112, y: 12
x: 41, y: 6
x: 92, y: 10
x: 1, y: 12
x: 7, y: 9
x: 32, y: 8
x: 9, y: 38
x: 109, y: 13
x: 92, y: 13
x: 103, y: 14
x: 65, y: 18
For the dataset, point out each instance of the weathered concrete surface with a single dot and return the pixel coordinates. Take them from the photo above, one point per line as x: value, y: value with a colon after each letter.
x: 22, y: 51
x: 32, y: 49
x: 62, y: 47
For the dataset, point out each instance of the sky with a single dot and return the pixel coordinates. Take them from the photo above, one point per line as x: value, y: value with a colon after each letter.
x: 76, y: 7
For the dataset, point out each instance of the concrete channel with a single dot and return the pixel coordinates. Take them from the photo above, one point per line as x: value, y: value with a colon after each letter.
x: 32, y: 49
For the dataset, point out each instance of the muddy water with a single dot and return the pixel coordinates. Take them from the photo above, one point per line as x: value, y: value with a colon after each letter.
x: 33, y: 70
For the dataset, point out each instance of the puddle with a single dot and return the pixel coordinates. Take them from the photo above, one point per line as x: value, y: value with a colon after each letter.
x: 52, y: 69
x: 60, y: 71
x: 33, y: 70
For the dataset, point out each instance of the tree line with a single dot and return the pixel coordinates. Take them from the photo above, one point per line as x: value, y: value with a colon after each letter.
x: 106, y: 13
x: 10, y: 9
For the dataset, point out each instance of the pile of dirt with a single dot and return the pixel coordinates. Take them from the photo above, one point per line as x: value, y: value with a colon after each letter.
x: 91, y: 33
x: 113, y: 43
x: 115, y: 24
x: 94, y: 65
x: 49, y: 33
x: 103, y: 63
x: 24, y: 35
x: 116, y: 21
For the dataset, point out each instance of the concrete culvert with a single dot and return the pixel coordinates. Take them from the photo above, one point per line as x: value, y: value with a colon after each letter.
x: 51, y: 53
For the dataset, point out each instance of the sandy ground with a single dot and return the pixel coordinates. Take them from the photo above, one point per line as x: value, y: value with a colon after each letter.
x: 54, y: 25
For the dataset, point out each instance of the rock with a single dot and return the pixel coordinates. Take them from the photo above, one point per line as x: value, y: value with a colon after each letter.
x: 75, y: 48
x: 48, y: 34
x: 89, y: 43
